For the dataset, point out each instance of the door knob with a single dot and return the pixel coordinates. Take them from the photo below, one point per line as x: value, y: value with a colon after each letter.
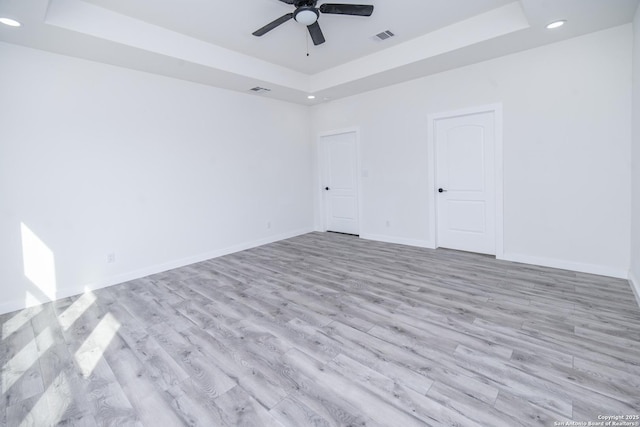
x: 440, y: 190
x: 326, y: 188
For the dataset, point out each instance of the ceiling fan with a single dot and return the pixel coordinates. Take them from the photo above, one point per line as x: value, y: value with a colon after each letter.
x: 307, y: 14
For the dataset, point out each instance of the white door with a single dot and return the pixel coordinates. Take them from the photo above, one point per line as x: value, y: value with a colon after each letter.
x: 465, y: 182
x: 340, y: 182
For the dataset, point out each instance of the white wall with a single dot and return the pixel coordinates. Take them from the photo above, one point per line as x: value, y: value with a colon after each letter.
x: 635, y: 160
x: 567, y: 134
x: 97, y: 159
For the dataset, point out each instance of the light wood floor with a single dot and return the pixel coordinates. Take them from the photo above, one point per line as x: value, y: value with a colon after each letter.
x: 327, y: 330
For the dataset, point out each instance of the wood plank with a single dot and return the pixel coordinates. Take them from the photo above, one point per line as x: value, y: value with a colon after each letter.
x: 522, y: 384
x: 211, y: 380
x: 358, y: 396
x: 66, y: 392
x: 30, y: 412
x: 109, y: 403
x: 21, y: 376
x: 298, y: 409
x: 404, y: 398
x: 238, y: 408
x: 192, y: 407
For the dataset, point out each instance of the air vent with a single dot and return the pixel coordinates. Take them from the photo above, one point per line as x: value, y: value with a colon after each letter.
x: 259, y: 89
x: 384, y: 35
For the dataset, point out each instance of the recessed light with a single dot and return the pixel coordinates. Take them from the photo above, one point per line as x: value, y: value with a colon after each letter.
x: 10, y: 22
x: 311, y: 97
x: 556, y: 24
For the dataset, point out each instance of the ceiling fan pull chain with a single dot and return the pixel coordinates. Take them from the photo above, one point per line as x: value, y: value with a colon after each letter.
x: 307, y: 39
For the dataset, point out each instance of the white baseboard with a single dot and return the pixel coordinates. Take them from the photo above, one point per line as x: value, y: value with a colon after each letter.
x: 10, y: 306
x: 525, y: 259
x: 634, y: 281
x: 566, y: 265
x: 398, y: 240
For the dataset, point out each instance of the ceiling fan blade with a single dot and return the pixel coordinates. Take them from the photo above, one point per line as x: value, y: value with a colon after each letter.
x: 347, y: 9
x: 316, y: 33
x: 270, y: 26
x: 288, y: 1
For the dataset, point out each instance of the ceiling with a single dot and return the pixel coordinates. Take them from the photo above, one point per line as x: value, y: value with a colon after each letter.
x: 348, y: 37
x: 210, y: 41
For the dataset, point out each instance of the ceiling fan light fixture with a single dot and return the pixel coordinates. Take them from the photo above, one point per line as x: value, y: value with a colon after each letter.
x: 306, y: 15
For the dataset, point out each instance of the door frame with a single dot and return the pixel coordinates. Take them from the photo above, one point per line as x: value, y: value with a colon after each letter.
x: 321, y: 170
x: 496, y: 109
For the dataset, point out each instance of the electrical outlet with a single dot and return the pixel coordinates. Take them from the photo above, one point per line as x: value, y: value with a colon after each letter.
x: 111, y: 257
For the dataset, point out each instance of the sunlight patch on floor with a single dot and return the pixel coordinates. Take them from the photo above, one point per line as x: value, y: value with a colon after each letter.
x: 75, y: 310
x: 58, y: 396
x: 22, y: 361
x: 92, y: 349
x: 21, y: 318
